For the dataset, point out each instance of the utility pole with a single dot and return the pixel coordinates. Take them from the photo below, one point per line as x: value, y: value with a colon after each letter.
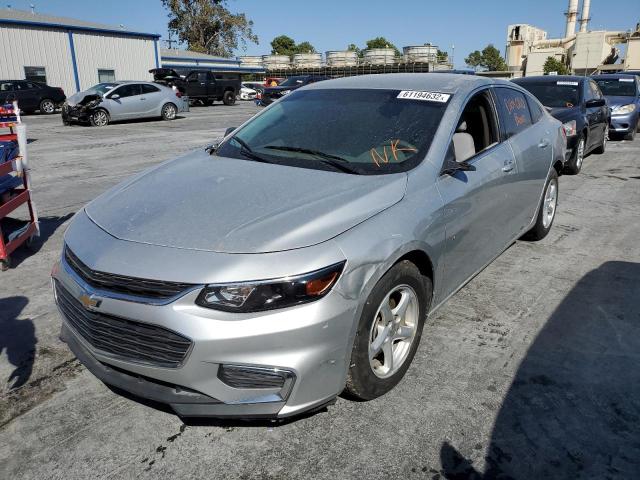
x: 453, y: 51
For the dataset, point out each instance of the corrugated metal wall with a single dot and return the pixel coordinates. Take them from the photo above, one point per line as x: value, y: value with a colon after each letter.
x: 20, y: 46
x: 36, y: 47
x: 130, y: 57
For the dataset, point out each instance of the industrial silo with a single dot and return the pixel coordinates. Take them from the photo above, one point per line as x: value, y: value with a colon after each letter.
x: 379, y: 56
x: 307, y: 60
x: 275, y: 62
x: 420, y: 53
x: 341, y: 58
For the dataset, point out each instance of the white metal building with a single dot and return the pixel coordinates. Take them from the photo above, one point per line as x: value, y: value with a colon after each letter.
x: 72, y: 54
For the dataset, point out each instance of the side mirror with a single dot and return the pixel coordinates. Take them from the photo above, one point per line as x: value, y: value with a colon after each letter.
x: 451, y: 165
x: 115, y: 96
x: 229, y: 130
x: 596, y: 102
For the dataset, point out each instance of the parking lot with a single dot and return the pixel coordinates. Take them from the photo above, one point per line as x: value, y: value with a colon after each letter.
x: 534, y: 362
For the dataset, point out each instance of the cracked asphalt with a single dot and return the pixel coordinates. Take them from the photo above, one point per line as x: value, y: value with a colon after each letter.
x: 531, y: 371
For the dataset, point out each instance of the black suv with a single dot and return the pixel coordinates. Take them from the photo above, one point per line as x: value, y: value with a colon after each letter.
x: 31, y: 96
x: 579, y: 104
x: 271, y: 94
x: 205, y: 86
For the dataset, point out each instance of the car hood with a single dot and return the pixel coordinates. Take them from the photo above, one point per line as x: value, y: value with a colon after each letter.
x: 565, y: 114
x: 82, y: 98
x: 619, y: 100
x: 230, y: 205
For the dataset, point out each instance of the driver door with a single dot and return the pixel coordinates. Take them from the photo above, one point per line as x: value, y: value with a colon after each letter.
x: 129, y: 103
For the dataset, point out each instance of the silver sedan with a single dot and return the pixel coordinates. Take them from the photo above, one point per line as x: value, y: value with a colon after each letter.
x: 114, y: 101
x: 305, y: 253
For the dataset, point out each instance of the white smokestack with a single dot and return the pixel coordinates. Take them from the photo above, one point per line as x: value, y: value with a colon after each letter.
x: 572, y: 15
x: 584, y: 20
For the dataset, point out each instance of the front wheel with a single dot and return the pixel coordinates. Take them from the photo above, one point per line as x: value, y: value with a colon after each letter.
x: 389, y: 331
x: 229, y: 98
x: 546, y: 210
x: 47, y: 106
x: 169, y: 111
x: 99, y: 118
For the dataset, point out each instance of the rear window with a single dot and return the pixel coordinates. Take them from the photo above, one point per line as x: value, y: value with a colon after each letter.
x: 555, y: 94
x: 624, y: 87
x: 514, y: 111
x: 146, y: 88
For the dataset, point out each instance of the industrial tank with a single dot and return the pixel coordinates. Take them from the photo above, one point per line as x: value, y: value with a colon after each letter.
x: 420, y: 53
x: 307, y: 60
x: 272, y: 62
x: 341, y: 58
x: 379, y: 56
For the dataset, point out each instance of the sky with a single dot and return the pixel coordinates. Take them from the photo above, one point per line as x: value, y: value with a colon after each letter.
x: 333, y: 24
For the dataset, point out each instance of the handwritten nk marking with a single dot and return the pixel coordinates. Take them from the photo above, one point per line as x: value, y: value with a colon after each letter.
x: 377, y: 158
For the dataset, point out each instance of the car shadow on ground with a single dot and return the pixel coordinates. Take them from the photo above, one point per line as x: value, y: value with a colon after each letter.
x: 573, y: 409
x: 17, y: 339
x: 48, y: 226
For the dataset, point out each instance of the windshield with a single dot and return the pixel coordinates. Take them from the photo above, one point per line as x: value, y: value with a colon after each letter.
x: 292, y: 82
x: 355, y: 131
x: 101, y: 88
x: 560, y: 94
x: 624, y: 87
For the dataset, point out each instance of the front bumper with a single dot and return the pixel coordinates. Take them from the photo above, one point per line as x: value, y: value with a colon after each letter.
x: 312, y: 341
x: 625, y: 123
x: 73, y: 114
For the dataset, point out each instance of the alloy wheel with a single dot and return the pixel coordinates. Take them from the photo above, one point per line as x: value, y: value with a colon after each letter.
x: 550, y: 202
x: 100, y: 118
x: 393, y: 331
x: 47, y: 106
x: 169, y: 112
x: 580, y: 154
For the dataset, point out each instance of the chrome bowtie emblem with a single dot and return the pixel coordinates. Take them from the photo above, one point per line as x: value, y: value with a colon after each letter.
x: 89, y: 301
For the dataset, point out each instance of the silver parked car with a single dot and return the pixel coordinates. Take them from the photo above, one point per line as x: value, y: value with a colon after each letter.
x: 304, y: 254
x: 112, y: 101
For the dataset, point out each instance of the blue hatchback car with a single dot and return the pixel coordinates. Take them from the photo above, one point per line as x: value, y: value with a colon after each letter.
x: 622, y: 91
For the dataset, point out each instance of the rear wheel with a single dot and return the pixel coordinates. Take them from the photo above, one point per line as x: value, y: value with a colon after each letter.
x: 169, y: 111
x: 229, y: 98
x: 574, y: 165
x: 389, y: 331
x: 47, y: 106
x: 547, y: 209
x: 99, y: 118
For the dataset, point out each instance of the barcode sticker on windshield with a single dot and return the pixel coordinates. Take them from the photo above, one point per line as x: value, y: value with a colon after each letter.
x: 573, y: 84
x: 425, y: 96
x: 625, y: 79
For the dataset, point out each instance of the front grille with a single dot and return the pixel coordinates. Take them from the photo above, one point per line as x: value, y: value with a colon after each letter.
x: 139, y: 287
x: 126, y: 339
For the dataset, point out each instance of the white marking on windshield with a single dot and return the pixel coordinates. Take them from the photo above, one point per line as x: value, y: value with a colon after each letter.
x: 424, y: 96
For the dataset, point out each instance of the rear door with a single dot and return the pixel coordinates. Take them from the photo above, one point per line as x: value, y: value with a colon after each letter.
x: 521, y: 123
x: 478, y: 207
x: 28, y: 95
x: 129, y: 103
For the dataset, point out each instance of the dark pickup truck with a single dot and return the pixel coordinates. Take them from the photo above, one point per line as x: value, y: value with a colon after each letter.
x: 201, y: 85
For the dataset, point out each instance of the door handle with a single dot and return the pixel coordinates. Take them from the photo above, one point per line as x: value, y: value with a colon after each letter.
x: 544, y: 143
x: 508, y: 166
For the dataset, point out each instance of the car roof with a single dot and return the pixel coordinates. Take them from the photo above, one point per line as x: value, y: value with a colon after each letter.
x: 440, y: 82
x: 549, y: 78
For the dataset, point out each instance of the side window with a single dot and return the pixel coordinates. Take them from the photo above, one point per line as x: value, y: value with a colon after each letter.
x: 146, y: 88
x: 36, y: 74
x: 595, y: 90
x: 514, y: 111
x: 477, y: 129
x: 128, y: 90
x: 202, y: 77
x: 534, y: 108
x: 106, y: 76
x: 6, y: 86
x: 588, y: 92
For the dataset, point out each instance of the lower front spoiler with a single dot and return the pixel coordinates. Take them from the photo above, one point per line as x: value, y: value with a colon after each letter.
x: 185, y: 402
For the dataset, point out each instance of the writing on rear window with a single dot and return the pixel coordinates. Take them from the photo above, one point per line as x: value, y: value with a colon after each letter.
x: 573, y: 84
x: 516, y: 106
x: 625, y: 79
x: 424, y: 96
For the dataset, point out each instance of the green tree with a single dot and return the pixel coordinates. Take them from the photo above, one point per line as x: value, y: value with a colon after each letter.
x: 305, y: 47
x: 381, y: 42
x: 552, y: 64
x: 489, y: 59
x: 283, y: 45
x: 354, y: 48
x: 208, y: 26
x: 442, y: 56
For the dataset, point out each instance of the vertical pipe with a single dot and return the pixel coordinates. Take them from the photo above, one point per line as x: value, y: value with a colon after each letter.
x: 584, y: 19
x: 74, y: 62
x: 572, y: 15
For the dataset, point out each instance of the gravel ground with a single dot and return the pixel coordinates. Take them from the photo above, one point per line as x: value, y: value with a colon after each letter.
x: 530, y: 371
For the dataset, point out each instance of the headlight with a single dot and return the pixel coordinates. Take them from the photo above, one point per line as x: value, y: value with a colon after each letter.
x: 270, y: 294
x: 284, y: 92
x: 622, y: 109
x: 570, y: 128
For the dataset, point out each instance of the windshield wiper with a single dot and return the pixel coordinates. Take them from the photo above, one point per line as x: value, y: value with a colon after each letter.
x: 335, y: 161
x: 246, y: 151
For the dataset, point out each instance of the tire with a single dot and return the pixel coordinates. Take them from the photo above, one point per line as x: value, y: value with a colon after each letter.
x: 603, y: 146
x: 631, y: 135
x: 47, y: 106
x: 229, y: 98
x: 574, y: 165
x: 99, y: 118
x: 169, y: 111
x: 545, y: 217
x: 370, y: 378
